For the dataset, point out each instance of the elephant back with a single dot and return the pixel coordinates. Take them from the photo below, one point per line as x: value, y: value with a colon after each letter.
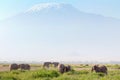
x: 55, y: 64
x: 47, y: 64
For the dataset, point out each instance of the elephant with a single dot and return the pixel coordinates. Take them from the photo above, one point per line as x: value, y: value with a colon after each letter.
x: 28, y: 67
x: 24, y: 66
x: 61, y: 68
x: 47, y: 64
x: 97, y: 68
x: 55, y: 64
x: 13, y: 66
x: 67, y: 68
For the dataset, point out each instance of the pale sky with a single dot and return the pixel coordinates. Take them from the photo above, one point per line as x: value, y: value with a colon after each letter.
x: 106, y: 45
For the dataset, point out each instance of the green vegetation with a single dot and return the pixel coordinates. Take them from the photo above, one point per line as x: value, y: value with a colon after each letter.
x: 53, y: 74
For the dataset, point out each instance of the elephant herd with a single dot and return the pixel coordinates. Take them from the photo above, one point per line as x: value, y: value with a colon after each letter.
x: 19, y: 66
x: 97, y: 68
x: 47, y: 64
x: 61, y: 67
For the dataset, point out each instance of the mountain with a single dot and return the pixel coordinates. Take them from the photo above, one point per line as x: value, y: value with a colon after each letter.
x: 57, y: 29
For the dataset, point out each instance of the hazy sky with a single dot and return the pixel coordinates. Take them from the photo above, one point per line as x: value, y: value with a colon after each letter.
x: 103, y: 7
x: 106, y: 45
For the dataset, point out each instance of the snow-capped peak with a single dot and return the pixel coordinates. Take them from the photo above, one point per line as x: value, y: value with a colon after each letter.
x: 43, y: 6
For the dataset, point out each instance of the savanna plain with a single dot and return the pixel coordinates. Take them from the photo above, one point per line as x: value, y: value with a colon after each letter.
x: 78, y: 72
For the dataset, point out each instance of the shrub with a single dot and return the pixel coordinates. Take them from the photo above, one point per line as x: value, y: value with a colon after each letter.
x: 45, y: 73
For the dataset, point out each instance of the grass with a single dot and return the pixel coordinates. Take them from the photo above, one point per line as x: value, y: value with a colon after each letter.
x: 53, y: 74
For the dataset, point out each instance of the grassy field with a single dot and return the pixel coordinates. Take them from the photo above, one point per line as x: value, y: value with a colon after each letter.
x: 79, y: 72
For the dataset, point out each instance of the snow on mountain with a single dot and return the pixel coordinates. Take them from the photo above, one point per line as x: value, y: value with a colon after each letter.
x: 44, y: 6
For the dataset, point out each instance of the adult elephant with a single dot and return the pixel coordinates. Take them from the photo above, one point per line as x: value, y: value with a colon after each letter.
x: 61, y: 68
x: 24, y: 66
x: 55, y: 64
x: 47, y: 64
x: 13, y: 66
x: 97, y: 69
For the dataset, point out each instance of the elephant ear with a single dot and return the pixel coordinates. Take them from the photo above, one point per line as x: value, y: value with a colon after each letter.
x: 94, y: 67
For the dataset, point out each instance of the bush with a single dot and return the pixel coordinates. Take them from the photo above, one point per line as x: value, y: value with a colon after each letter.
x: 45, y: 73
x: 7, y: 77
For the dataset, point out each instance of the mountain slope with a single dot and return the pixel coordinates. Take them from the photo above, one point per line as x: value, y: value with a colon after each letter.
x: 54, y: 28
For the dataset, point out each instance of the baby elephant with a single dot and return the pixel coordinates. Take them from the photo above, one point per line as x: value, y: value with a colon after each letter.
x: 67, y: 68
x: 97, y: 68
